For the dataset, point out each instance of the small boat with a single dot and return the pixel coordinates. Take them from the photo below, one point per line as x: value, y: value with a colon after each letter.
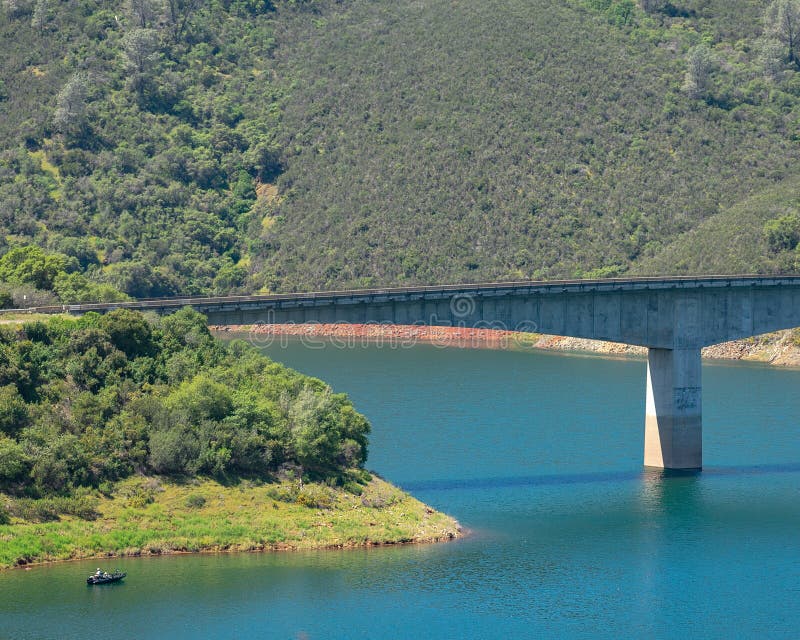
x: 105, y: 578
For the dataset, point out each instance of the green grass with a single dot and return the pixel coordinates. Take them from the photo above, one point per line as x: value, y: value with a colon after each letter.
x: 23, y: 318
x: 242, y: 517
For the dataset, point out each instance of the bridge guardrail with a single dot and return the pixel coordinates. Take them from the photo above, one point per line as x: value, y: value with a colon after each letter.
x: 180, y: 301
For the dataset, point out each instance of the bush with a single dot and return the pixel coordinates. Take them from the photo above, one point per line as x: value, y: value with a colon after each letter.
x: 353, y: 487
x: 783, y: 234
x: 173, y: 451
x: 13, y: 461
x: 139, y: 497
x: 49, y: 509
x: 379, y: 500
x: 284, y: 492
x: 315, y: 497
x: 195, y: 501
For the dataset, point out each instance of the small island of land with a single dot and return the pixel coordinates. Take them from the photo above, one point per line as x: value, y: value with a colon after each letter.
x: 123, y: 435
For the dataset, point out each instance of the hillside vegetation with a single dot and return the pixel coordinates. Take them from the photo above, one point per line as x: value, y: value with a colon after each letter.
x: 121, y: 435
x: 160, y: 146
x: 90, y: 401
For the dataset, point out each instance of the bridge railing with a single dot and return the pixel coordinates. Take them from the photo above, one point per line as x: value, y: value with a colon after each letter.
x: 606, y: 283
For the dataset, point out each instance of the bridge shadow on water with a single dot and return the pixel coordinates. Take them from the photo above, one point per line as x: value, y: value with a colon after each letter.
x: 641, y: 475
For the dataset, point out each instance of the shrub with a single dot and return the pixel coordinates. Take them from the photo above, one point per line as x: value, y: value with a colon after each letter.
x: 13, y: 460
x: 49, y: 509
x: 379, y: 500
x: 284, y: 492
x: 353, y: 487
x: 315, y: 497
x: 783, y: 234
x: 138, y: 497
x: 195, y: 501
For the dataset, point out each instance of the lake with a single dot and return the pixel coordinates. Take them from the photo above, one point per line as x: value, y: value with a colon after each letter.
x: 539, y: 456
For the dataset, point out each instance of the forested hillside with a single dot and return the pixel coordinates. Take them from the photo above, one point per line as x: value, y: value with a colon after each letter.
x: 87, y: 402
x: 152, y: 147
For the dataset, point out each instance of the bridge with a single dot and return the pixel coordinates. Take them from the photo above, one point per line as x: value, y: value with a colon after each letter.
x: 673, y: 317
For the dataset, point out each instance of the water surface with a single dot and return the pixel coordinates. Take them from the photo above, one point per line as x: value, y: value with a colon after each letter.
x: 539, y: 455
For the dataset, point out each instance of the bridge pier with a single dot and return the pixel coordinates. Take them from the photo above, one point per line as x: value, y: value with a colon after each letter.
x: 673, y: 432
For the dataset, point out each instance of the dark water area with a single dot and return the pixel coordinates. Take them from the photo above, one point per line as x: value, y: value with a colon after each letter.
x: 539, y: 456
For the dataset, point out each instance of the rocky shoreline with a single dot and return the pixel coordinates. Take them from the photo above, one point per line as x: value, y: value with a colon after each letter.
x: 781, y: 348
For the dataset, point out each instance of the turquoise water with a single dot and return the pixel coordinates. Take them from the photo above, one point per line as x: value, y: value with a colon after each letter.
x: 539, y: 455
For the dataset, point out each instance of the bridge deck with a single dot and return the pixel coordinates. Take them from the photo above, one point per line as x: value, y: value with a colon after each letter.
x: 483, y: 289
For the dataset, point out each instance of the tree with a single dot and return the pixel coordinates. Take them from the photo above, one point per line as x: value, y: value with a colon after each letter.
x: 139, y: 279
x: 199, y: 400
x: 698, y: 68
x: 141, y: 51
x: 13, y: 410
x: 12, y: 7
x: 651, y: 6
x: 70, y: 115
x: 783, y: 234
x: 179, y: 13
x: 772, y: 58
x: 73, y: 288
x: 173, y: 450
x: 40, y: 13
x: 129, y: 332
x: 782, y: 22
x: 13, y: 461
x: 316, y: 440
x: 143, y: 12
x: 31, y: 265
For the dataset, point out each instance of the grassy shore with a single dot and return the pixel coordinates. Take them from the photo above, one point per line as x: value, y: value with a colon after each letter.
x: 153, y: 516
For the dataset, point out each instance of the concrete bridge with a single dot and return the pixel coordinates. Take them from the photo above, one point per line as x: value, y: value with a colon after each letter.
x: 673, y: 317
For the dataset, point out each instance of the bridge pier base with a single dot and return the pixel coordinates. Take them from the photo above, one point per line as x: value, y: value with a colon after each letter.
x: 673, y: 432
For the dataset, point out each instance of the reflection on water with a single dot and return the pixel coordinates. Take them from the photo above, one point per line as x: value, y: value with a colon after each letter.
x: 538, y: 455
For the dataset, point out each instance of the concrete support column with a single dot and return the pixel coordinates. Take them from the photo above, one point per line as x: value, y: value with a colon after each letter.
x: 673, y: 432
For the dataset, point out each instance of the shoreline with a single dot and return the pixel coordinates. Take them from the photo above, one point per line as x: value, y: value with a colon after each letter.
x: 461, y: 534
x: 781, y: 348
x: 261, y: 518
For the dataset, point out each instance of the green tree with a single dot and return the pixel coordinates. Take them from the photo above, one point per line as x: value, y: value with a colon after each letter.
x: 782, y: 21
x: 141, y: 53
x: 144, y: 12
x: 14, y: 413
x: 129, y: 332
x: 74, y: 287
x: 783, y: 233
x: 179, y: 16
x: 200, y: 399
x: 14, y: 462
x: 698, y: 70
x: 173, y: 450
x: 40, y: 15
x: 316, y: 439
x: 70, y: 114
x: 31, y: 265
x: 772, y: 57
x: 651, y: 6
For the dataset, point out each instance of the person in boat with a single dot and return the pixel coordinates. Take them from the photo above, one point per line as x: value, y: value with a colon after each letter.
x: 98, y: 573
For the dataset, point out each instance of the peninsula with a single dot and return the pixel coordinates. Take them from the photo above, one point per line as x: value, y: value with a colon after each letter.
x: 126, y: 435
